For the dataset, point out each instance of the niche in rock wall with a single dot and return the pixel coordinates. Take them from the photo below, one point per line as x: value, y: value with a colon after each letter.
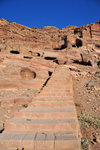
x: 38, y: 54
x: 50, y: 58
x: 82, y: 63
x: 14, y: 52
x: 73, y: 45
x: 64, y: 45
x: 97, y: 46
x: 50, y: 73
x: 78, y: 32
x: 27, y: 74
x: 34, y: 53
x: 27, y: 57
x: 98, y: 63
x: 79, y: 43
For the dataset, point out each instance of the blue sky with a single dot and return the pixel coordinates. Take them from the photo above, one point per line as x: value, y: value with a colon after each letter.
x: 59, y: 13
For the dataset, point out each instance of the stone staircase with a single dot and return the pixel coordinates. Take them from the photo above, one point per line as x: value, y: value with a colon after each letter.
x: 49, y: 122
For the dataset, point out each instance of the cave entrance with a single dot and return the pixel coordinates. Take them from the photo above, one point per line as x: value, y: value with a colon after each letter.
x: 50, y: 58
x: 78, y: 32
x: 82, y: 63
x: 27, y: 57
x: 50, y: 73
x: 79, y: 43
x: 14, y: 52
x: 97, y: 46
x: 98, y: 63
x: 38, y: 54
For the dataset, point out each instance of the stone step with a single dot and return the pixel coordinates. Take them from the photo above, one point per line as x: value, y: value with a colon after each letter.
x: 64, y: 142
x: 41, y: 125
x: 56, y: 90
x: 55, y: 87
x: 46, y: 113
x: 54, y: 94
x: 58, y: 81
x: 51, y: 104
x: 39, y: 141
x: 50, y: 90
x: 13, y: 140
x: 53, y: 98
x: 49, y: 122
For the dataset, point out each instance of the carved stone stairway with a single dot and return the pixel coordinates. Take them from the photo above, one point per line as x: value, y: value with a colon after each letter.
x: 50, y: 120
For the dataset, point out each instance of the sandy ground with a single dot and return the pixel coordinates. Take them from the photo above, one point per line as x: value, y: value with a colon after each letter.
x: 86, y: 85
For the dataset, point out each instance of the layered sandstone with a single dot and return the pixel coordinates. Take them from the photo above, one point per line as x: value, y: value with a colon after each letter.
x: 28, y: 57
x: 24, y: 42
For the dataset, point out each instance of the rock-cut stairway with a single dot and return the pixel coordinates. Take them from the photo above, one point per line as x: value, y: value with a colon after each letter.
x: 49, y: 122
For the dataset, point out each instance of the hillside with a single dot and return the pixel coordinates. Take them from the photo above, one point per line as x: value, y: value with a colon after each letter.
x: 28, y: 57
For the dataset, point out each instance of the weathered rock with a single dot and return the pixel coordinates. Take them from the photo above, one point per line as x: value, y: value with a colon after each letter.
x: 17, y: 40
x: 27, y: 74
x: 98, y: 138
x: 39, y: 49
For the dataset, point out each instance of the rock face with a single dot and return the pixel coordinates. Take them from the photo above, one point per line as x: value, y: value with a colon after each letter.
x: 76, y: 44
x: 27, y: 74
x: 22, y: 49
x: 29, y: 56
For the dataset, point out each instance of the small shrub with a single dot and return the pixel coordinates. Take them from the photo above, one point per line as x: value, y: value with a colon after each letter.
x: 89, y: 121
x: 25, y: 105
x: 84, y: 143
x: 77, y: 104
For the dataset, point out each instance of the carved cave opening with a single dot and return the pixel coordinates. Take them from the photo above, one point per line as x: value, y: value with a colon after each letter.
x: 78, y: 32
x: 38, y: 54
x: 79, y: 43
x: 14, y: 52
x: 98, y: 46
x: 27, y: 57
x: 82, y: 63
x: 50, y: 58
x: 50, y: 73
x: 73, y: 45
x: 98, y: 63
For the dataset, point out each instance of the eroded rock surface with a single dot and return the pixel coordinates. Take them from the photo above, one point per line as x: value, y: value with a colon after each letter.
x: 28, y: 56
x: 22, y: 42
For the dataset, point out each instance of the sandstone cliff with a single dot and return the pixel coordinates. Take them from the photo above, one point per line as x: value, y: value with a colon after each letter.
x: 69, y: 45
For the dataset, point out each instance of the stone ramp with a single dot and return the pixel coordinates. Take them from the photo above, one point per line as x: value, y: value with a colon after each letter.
x: 49, y: 122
